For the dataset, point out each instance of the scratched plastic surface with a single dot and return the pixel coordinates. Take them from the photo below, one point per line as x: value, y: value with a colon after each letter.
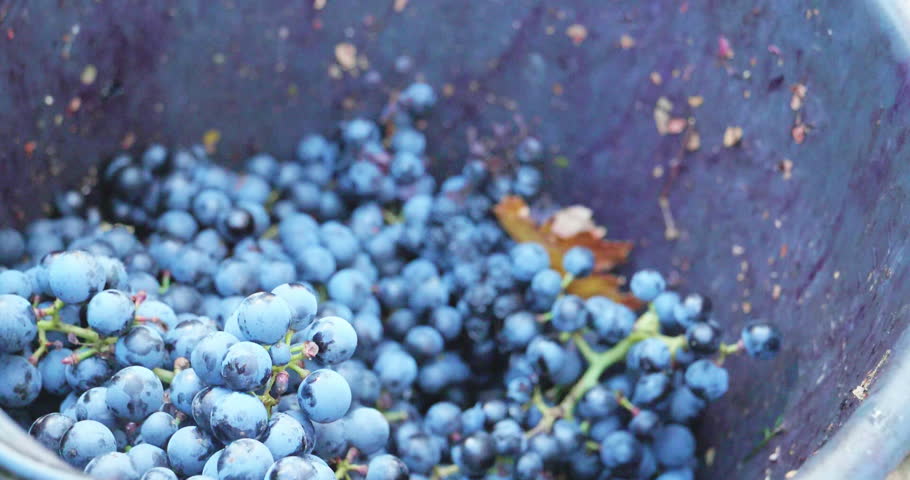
x: 822, y: 254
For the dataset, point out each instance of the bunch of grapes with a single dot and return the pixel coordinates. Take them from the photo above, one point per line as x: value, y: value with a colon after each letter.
x: 342, y: 314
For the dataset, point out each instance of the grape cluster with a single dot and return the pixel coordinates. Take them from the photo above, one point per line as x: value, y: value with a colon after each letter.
x: 342, y: 315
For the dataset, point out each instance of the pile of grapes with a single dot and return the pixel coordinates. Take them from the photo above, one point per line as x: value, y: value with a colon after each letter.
x: 341, y: 316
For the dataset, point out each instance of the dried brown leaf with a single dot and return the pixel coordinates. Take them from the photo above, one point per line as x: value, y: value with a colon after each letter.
x: 575, y: 228
x: 732, y: 136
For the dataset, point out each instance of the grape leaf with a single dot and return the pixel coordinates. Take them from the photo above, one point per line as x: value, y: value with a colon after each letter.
x: 573, y: 227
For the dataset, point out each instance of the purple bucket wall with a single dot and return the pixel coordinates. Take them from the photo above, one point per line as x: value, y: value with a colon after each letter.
x: 830, y: 239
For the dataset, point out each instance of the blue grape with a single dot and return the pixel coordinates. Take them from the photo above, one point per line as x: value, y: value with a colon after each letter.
x: 677, y: 474
x: 203, y: 403
x: 238, y: 415
x: 674, y: 446
x: 650, y: 388
x: 208, y: 355
x: 386, y: 467
x: 110, y: 313
x: 244, y: 459
x: 285, y: 435
x: 475, y: 454
x: 761, y: 340
x: 178, y: 224
x: 335, y: 337
x: 569, y: 314
x: 349, y: 287
x: 396, y: 369
x: 527, y: 260
x: 158, y: 428
x: 12, y: 246
x: 447, y: 320
x: 545, y: 445
x: 17, y: 323
x: 158, y: 310
x: 367, y: 429
x: 146, y: 456
x: 529, y: 466
x: 424, y: 341
x: 331, y: 439
x: 546, y: 355
x: 15, y: 282
x: 707, y: 380
x: 20, y: 381
x: 142, y: 345
x: 508, y: 437
x: 649, y: 355
x: 297, y: 468
x: 112, y: 465
x: 184, y: 387
x: 75, y: 276
x: 578, y: 261
x: 85, y: 440
x: 418, y: 98
x: 53, y: 373
x: 246, y: 366
x: 324, y: 395
x: 210, y: 469
x: 49, y: 429
x: 647, y: 284
x: 264, y: 317
x: 621, y: 452
x: 612, y: 321
x: 188, y: 450
x: 420, y: 452
x: 685, y: 406
x: 93, y: 405
x: 443, y: 419
x: 134, y: 393
x: 316, y: 264
x: 159, y: 473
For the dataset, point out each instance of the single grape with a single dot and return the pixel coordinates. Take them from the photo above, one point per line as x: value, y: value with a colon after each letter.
x: 134, y: 393
x: 298, y: 468
x: 158, y: 428
x: 238, y: 415
x: 159, y: 473
x: 17, y: 323
x: 244, y: 459
x: 20, y: 381
x: 302, y: 302
x: 50, y: 428
x: 188, y: 450
x: 85, y: 440
x: 674, y: 446
x: 368, y: 430
x: 112, y: 465
x: 335, y: 337
x: 647, y: 284
x: 386, y: 467
x: 264, y: 317
x: 93, y: 405
x: 110, y: 313
x: 146, y: 456
x: 246, y: 366
x: 184, y: 387
x: 142, y: 345
x: 707, y: 380
x: 761, y: 340
x: 324, y: 395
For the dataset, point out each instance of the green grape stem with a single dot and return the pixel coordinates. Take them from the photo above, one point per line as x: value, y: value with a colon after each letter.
x: 166, y: 376
x: 647, y: 326
x: 444, y: 471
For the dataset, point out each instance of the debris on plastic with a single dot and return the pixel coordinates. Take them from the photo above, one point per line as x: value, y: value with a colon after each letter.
x: 799, y: 93
x: 733, y: 135
x: 626, y: 41
x: 577, y: 32
x: 400, y: 5
x: 346, y: 55
x: 696, y: 101
x: 724, y: 48
x: 89, y: 74
x: 210, y: 140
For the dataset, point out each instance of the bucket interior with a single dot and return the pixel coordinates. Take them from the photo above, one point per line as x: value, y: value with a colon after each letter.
x: 802, y: 222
